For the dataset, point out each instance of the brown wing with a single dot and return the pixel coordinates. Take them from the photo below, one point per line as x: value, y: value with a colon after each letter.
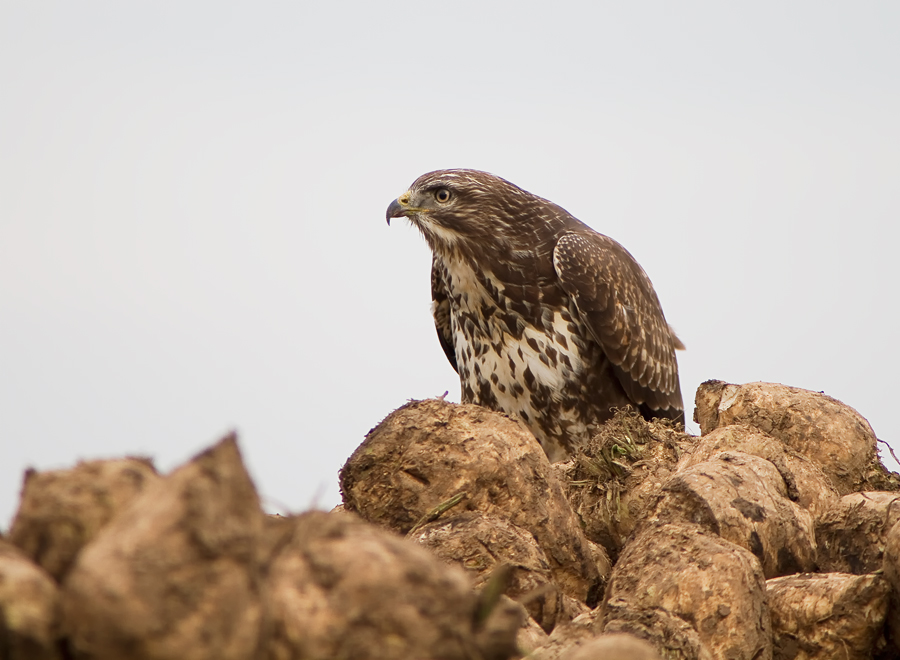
x: 616, y: 301
x: 441, y: 312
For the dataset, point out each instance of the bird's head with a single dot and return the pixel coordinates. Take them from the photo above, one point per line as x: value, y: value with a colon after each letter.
x: 454, y: 207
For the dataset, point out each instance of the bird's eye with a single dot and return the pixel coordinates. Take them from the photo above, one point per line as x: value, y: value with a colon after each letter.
x: 442, y: 195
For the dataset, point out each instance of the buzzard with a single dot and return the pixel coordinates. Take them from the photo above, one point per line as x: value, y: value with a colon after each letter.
x: 541, y: 316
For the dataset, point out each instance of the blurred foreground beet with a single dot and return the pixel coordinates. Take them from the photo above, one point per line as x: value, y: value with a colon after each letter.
x: 62, y: 510
x: 340, y: 588
x: 29, y: 609
x: 178, y: 573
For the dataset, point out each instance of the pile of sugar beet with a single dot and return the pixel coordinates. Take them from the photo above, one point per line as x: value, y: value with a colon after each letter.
x: 771, y: 535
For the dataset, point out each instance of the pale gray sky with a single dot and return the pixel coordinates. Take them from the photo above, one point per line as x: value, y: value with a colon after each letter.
x: 192, y: 199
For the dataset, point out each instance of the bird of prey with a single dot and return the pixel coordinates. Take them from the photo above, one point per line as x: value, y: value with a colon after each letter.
x: 542, y: 317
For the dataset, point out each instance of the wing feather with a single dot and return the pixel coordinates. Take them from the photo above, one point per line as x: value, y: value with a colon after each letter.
x: 616, y: 301
x: 440, y: 309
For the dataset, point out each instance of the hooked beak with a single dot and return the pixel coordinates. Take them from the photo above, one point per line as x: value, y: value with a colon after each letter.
x: 399, y: 208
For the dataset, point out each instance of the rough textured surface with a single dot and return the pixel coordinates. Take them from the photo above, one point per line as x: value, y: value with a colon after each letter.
x: 177, y: 573
x: 851, y: 535
x: 530, y: 637
x: 426, y: 452
x: 675, y: 638
x: 62, y: 510
x: 826, y: 616
x: 805, y: 482
x: 481, y: 544
x: 569, y: 637
x: 29, y: 608
x: 187, y: 566
x: 891, y: 569
x: 614, y: 647
x: 341, y: 588
x: 743, y: 499
x: 675, y: 581
x: 614, y: 477
x: 823, y: 429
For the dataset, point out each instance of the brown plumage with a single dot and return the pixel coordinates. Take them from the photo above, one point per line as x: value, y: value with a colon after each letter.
x: 541, y: 316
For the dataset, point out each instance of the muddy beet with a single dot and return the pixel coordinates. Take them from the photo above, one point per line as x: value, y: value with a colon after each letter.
x: 804, y: 481
x: 826, y: 431
x: 459, y: 540
x: 483, y: 544
x: 743, y: 499
x: 29, y: 608
x: 62, y: 510
x: 828, y: 615
x: 178, y: 574
x: 853, y: 532
x: 689, y: 592
x: 614, y: 647
x: 341, y: 588
x: 428, y: 452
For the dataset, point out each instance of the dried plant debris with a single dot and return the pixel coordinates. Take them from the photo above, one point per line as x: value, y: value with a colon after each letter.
x: 425, y: 454
x: 828, y: 615
x: 612, y: 480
